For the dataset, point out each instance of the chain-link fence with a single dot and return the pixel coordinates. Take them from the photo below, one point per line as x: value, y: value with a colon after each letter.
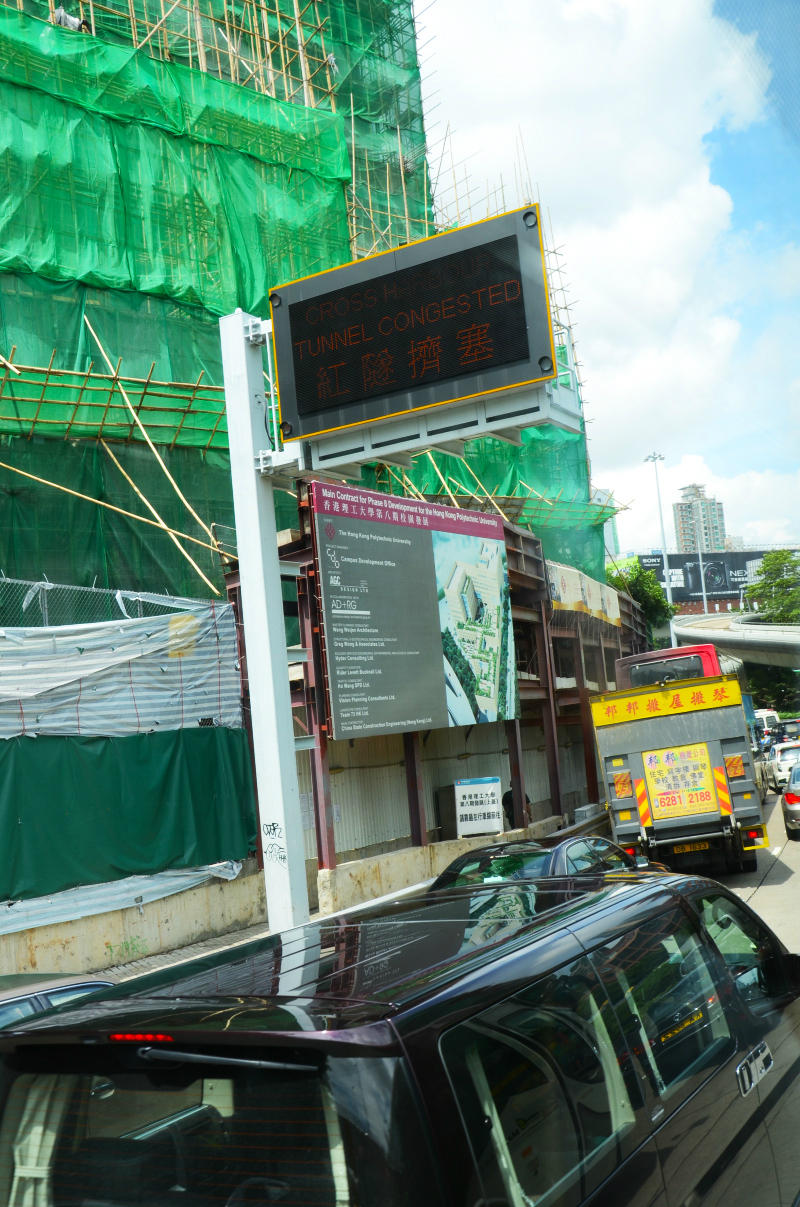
x: 26, y: 604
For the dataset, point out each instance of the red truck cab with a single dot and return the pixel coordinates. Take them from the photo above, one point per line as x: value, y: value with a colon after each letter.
x: 671, y: 665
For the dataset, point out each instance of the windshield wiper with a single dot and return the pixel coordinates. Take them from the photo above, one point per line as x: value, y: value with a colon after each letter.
x: 209, y: 1059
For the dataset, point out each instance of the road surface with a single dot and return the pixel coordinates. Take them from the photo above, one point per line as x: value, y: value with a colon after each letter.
x: 774, y: 890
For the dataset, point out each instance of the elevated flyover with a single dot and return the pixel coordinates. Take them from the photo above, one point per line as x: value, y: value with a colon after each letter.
x: 742, y: 637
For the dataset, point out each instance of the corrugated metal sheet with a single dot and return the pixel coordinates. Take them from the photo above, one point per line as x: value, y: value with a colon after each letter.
x: 368, y: 779
x: 369, y: 793
x: 121, y: 677
x: 92, y: 899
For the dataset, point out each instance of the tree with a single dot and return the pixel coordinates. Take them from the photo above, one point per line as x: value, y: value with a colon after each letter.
x: 777, y: 587
x: 775, y: 687
x: 643, y: 586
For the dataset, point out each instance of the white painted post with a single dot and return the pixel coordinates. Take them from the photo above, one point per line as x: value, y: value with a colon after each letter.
x: 248, y: 417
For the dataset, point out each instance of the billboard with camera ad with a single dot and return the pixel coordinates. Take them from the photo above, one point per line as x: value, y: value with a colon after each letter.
x: 416, y: 611
x: 726, y: 574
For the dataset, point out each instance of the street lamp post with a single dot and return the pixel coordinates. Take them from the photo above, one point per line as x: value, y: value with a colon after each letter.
x: 700, y: 559
x: 655, y: 458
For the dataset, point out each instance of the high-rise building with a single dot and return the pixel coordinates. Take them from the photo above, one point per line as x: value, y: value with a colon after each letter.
x: 699, y: 521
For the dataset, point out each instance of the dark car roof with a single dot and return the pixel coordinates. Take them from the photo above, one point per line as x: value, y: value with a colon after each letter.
x: 348, y: 971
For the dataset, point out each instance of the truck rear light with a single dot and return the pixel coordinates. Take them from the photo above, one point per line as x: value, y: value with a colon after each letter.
x: 753, y: 833
x: 791, y: 798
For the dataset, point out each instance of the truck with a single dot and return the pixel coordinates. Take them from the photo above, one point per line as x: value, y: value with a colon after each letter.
x: 681, y: 761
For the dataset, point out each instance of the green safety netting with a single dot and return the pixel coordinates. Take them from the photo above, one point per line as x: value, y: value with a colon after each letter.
x: 186, y: 202
x: 45, y: 533
x: 36, y: 316
x: 542, y: 485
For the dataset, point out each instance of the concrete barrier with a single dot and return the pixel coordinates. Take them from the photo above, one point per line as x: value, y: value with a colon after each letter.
x: 363, y: 879
x: 91, y: 944
x: 100, y: 941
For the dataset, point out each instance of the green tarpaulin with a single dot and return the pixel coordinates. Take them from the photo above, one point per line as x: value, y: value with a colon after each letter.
x: 89, y: 810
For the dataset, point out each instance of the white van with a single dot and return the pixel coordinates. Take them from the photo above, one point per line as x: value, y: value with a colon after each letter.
x: 769, y: 717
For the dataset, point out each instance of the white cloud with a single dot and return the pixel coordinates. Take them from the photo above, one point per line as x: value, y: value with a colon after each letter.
x: 614, y: 99
x: 760, y: 505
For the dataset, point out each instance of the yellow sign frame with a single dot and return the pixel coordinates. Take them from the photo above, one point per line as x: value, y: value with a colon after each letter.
x: 649, y: 703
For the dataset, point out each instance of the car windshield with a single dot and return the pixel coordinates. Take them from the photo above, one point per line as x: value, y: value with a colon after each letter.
x: 105, y: 1126
x: 496, y: 869
x: 670, y: 669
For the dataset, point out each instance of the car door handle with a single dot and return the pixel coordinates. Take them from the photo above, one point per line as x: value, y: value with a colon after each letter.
x: 754, y: 1066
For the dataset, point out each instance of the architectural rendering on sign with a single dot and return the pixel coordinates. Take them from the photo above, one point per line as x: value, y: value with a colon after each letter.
x: 446, y: 659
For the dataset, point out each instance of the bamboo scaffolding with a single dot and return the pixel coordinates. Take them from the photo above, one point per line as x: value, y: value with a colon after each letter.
x: 150, y: 444
x: 131, y: 515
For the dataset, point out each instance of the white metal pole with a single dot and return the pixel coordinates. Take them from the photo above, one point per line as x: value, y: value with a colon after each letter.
x: 248, y: 412
x: 655, y: 458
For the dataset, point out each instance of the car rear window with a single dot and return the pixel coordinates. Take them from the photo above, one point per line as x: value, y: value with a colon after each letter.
x: 644, y: 673
x: 503, y: 867
x: 788, y: 754
x: 102, y: 1126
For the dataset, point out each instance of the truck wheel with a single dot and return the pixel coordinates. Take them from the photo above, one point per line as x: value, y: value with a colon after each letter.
x: 749, y: 863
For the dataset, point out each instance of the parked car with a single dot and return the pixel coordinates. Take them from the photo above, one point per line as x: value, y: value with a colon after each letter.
x: 782, y: 759
x: 587, y: 1041
x: 26, y: 993
x: 790, y: 803
x: 513, y: 861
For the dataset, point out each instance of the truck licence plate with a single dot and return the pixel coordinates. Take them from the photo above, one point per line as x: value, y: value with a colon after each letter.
x: 684, y: 847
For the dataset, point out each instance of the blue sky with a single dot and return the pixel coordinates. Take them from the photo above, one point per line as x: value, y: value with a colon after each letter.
x: 664, y: 140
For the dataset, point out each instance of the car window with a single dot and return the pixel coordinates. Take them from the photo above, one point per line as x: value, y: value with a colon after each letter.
x: 501, y: 868
x: 747, y: 948
x: 79, y: 1127
x: 795, y: 776
x: 69, y: 993
x: 549, y: 1097
x: 613, y: 858
x: 581, y: 859
x: 21, y: 1007
x: 660, y: 980
x: 789, y: 754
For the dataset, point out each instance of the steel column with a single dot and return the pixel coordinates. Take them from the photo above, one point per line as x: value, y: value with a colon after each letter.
x: 548, y: 680
x: 514, y: 740
x: 412, y: 754
x: 316, y: 720
x: 587, y: 726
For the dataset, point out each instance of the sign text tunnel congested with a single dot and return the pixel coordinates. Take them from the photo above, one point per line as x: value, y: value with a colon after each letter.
x: 460, y: 314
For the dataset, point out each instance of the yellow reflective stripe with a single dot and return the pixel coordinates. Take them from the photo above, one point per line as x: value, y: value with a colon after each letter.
x: 723, y: 795
x: 643, y: 803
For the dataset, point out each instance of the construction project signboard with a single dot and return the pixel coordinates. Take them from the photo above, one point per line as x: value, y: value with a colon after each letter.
x: 449, y: 318
x: 417, y: 629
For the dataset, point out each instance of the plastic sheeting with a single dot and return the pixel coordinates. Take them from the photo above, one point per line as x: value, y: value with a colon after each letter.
x: 91, y: 810
x: 572, y: 591
x: 84, y: 902
x: 144, y: 675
